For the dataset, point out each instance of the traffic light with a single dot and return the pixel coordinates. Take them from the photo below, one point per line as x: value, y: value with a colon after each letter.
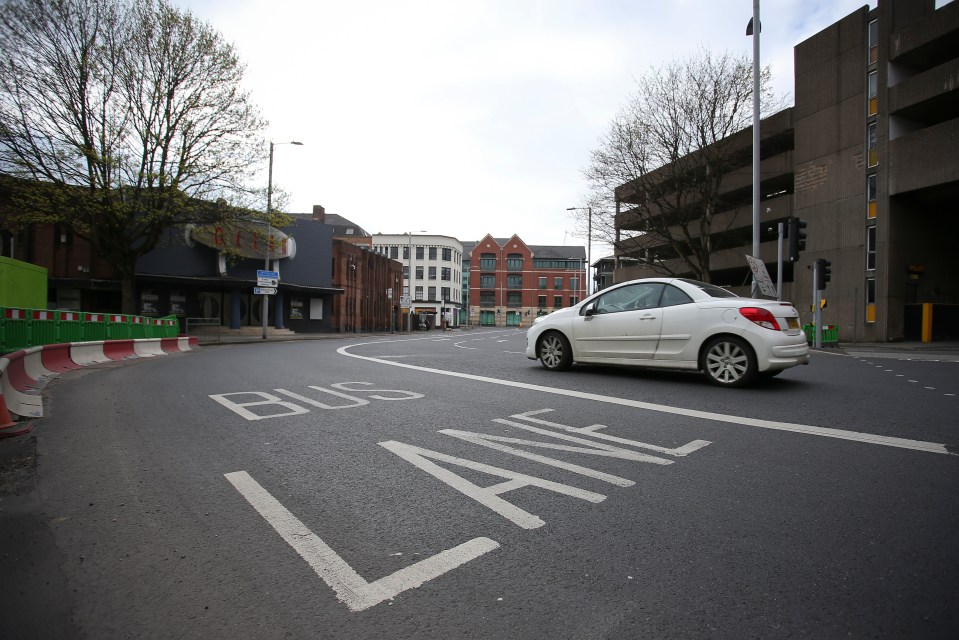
x: 823, y: 273
x: 796, y: 232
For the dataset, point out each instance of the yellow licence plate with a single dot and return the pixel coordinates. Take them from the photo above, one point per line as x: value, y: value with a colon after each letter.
x: 793, y: 323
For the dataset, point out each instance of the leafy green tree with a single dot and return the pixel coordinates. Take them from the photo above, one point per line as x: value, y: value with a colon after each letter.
x: 124, y: 118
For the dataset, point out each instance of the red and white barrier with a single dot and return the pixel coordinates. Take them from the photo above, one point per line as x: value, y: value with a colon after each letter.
x: 148, y: 347
x: 23, y: 372
x: 87, y: 353
x: 33, y: 365
x: 14, y: 399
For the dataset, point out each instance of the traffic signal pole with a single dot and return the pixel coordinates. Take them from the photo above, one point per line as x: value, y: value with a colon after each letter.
x: 817, y: 310
x: 779, y: 267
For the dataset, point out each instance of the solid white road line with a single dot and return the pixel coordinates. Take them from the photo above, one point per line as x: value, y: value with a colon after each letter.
x: 854, y: 436
x: 350, y: 588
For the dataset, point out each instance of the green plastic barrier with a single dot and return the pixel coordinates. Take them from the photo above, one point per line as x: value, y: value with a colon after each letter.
x: 70, y: 326
x: 14, y: 329
x: 24, y: 328
x: 139, y: 327
x: 94, y: 327
x: 830, y: 333
x: 119, y: 327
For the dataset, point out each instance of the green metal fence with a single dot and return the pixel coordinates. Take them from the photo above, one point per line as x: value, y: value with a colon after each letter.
x: 24, y: 328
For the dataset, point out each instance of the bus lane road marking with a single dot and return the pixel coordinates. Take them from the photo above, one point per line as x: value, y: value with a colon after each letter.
x: 853, y: 436
x: 349, y: 586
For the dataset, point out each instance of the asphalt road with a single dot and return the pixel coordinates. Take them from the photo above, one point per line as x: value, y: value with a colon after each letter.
x: 446, y: 486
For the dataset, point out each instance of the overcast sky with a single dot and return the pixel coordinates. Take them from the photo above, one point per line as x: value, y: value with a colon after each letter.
x: 467, y: 117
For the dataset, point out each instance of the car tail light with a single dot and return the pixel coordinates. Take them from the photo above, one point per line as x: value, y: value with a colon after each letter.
x: 760, y: 316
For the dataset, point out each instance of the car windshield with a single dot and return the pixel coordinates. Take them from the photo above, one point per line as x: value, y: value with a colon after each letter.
x: 710, y: 289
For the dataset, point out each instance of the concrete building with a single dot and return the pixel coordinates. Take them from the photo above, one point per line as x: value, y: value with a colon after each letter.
x: 431, y: 275
x: 510, y: 282
x: 867, y: 158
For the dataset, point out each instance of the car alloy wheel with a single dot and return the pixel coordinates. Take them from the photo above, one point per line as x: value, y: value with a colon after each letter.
x: 729, y: 362
x: 555, y: 352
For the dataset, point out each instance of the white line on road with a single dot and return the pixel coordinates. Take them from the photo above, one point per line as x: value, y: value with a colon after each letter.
x: 351, y: 589
x: 854, y: 436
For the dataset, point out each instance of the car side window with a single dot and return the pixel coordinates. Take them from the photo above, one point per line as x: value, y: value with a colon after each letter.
x: 672, y: 296
x: 630, y: 298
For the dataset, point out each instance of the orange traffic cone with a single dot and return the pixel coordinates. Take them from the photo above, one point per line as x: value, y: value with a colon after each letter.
x: 7, y: 421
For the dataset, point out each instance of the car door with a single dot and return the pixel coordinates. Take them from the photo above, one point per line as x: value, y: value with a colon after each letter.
x: 683, y: 323
x: 620, y: 324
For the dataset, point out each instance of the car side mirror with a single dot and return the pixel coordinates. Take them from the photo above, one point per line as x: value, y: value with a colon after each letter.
x: 590, y: 309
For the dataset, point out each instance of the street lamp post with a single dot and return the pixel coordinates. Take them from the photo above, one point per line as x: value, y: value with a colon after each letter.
x: 589, y: 245
x: 753, y: 29
x: 269, y: 208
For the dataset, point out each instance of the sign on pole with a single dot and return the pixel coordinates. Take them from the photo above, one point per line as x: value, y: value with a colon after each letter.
x: 267, y: 278
x: 761, y: 276
x: 264, y: 291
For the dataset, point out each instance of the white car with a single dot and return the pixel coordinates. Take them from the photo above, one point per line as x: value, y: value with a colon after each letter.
x: 673, y: 323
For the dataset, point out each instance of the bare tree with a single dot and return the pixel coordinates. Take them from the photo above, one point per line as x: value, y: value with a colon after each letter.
x: 664, y: 153
x: 124, y: 118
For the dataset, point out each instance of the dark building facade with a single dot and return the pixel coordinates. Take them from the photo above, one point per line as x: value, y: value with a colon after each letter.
x: 866, y: 158
x: 206, y: 276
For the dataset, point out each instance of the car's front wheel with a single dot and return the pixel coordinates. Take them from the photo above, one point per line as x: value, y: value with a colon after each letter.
x: 555, y: 352
x: 729, y: 362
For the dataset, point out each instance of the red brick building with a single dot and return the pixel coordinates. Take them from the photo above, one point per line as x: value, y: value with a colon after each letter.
x: 511, y: 282
x: 371, y: 282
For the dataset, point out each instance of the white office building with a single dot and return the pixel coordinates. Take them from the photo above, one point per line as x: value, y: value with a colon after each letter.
x: 432, y: 268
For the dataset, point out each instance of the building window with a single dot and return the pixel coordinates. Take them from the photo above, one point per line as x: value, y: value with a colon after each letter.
x: 487, y: 281
x: 62, y: 234
x: 873, y: 143
x: 419, y: 293
x: 558, y: 284
x: 432, y: 293
x: 871, y: 189
x: 419, y: 273
x: 394, y: 252
x: 574, y: 284
x: 541, y: 302
x: 573, y: 300
x: 541, y: 282
x: 446, y: 274
x: 406, y: 272
x: 432, y: 273
x: 870, y: 299
x: 432, y: 253
x: 406, y: 252
x: 447, y: 254
x: 514, y: 262
x: 445, y: 293
x: 514, y: 281
x: 873, y: 93
x: 871, y: 248
x: 874, y: 42
x: 488, y: 261
x: 514, y: 299
x: 487, y: 298
x: 419, y: 253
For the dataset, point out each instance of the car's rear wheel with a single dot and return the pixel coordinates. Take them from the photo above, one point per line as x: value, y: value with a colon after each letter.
x: 729, y: 361
x: 555, y: 352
